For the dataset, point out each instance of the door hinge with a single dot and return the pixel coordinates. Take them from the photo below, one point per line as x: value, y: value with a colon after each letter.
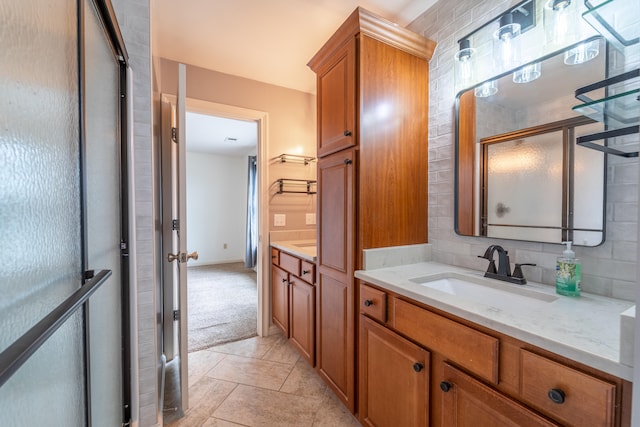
x: 174, y: 135
x: 176, y: 314
x: 175, y: 224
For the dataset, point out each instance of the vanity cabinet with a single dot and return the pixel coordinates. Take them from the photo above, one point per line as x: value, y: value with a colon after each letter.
x: 394, y: 378
x: 293, y: 304
x: 478, y: 376
x: 372, y: 106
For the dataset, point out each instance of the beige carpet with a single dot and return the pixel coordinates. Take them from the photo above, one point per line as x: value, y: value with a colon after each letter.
x: 223, y: 301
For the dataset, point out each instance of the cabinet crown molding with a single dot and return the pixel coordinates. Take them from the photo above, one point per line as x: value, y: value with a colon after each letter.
x: 361, y: 21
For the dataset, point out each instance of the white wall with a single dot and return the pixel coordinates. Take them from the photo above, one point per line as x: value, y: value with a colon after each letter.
x: 216, y: 207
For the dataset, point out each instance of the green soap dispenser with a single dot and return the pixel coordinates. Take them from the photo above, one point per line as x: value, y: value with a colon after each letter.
x: 568, y: 273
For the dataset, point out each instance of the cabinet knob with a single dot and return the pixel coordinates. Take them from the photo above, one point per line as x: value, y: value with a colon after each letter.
x: 348, y: 161
x: 305, y: 272
x: 347, y: 133
x: 418, y: 366
x: 445, y: 386
x: 368, y: 303
x: 284, y: 280
x: 556, y: 395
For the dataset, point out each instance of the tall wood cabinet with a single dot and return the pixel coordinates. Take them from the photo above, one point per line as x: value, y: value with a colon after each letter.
x: 372, y: 105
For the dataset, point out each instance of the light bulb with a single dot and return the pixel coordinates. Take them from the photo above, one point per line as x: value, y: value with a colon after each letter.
x: 582, y: 53
x: 486, y: 89
x: 505, y: 43
x: 464, y: 64
x: 528, y: 73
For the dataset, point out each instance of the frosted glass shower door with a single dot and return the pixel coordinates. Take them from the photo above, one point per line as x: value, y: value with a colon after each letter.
x: 62, y: 314
x: 524, y: 188
x: 102, y: 152
x: 40, y: 208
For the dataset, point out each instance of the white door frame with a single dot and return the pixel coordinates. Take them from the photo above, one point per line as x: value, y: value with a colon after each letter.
x: 261, y: 117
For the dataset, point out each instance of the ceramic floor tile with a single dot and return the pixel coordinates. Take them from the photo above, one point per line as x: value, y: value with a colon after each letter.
x: 204, y: 397
x: 332, y: 413
x: 201, y: 362
x: 249, y: 371
x: 253, y: 347
x: 282, y: 351
x: 304, y: 381
x: 253, y: 406
x: 216, y: 422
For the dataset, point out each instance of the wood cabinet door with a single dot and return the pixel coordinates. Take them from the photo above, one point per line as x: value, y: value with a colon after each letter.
x: 302, y: 315
x: 336, y: 88
x: 280, y: 299
x: 335, y: 330
x: 394, y: 378
x: 467, y: 402
x: 336, y: 212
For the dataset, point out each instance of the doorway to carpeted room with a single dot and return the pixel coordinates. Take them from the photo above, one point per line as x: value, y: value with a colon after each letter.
x: 223, y: 304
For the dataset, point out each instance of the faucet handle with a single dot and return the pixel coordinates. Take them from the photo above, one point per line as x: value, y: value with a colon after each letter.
x: 517, y: 271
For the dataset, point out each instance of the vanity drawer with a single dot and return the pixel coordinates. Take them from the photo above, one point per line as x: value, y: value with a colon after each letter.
x: 275, y: 256
x: 308, y: 272
x: 581, y: 399
x: 470, y: 349
x: 373, y: 303
x: 290, y: 263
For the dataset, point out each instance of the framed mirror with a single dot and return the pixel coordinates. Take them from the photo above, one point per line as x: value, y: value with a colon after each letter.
x: 519, y: 173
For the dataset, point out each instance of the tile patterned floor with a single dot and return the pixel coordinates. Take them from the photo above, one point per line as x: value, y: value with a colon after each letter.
x: 260, y: 381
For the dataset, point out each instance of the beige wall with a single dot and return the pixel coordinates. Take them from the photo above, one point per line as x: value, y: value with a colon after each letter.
x: 291, y: 128
x: 609, y: 269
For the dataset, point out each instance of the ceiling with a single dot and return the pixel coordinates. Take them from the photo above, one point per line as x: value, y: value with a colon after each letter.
x: 222, y: 136
x: 270, y: 41
x: 265, y: 40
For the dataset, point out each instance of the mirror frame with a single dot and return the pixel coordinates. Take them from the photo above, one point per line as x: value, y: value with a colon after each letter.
x: 469, y: 155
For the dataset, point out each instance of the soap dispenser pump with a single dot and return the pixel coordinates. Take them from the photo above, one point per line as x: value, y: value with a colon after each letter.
x: 568, y: 273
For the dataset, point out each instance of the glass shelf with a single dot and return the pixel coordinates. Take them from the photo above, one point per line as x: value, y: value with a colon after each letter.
x: 619, y: 110
x: 587, y: 141
x: 295, y: 158
x: 616, y: 20
x: 296, y: 186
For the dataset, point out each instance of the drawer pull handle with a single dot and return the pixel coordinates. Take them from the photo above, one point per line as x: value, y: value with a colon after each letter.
x: 445, y: 386
x: 556, y: 395
x: 305, y: 272
x: 347, y: 133
x: 347, y: 161
x: 418, y: 366
x: 368, y: 303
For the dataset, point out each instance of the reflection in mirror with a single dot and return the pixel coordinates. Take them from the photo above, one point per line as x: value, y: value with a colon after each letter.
x: 519, y: 173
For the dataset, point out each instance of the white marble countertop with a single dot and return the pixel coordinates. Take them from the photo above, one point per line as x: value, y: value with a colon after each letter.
x: 305, y: 249
x: 585, y: 329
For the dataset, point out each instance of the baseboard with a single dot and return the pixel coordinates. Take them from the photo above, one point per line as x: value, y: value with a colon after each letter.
x: 203, y: 264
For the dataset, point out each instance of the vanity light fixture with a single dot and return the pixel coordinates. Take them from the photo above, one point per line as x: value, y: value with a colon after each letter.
x: 505, y: 41
x: 486, y: 89
x: 582, y: 53
x: 464, y: 65
x: 561, y: 22
x: 528, y: 73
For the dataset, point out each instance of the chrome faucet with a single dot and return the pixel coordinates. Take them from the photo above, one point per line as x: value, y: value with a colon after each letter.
x: 503, y: 271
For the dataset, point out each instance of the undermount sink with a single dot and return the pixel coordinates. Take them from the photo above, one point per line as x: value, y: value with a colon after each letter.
x: 484, y: 291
